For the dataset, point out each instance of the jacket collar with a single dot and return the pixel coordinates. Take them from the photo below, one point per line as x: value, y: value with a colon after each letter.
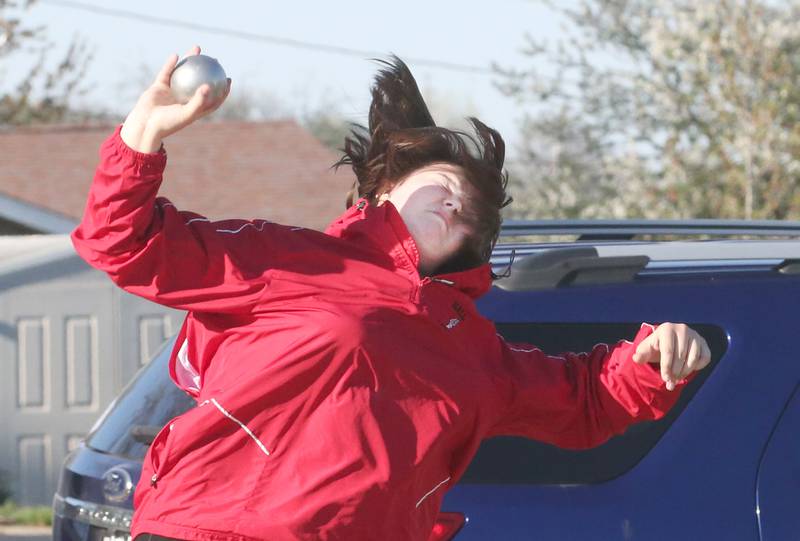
x: 383, y: 228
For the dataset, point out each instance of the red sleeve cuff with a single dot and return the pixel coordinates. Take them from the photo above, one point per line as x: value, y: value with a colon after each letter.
x: 147, y: 163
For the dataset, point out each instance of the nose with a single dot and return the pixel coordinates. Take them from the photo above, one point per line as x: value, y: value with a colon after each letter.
x: 452, y: 204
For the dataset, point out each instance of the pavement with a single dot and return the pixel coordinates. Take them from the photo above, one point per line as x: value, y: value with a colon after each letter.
x: 25, y: 533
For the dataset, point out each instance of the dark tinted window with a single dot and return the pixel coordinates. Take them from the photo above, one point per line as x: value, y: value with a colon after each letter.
x: 519, y: 460
x: 145, y: 405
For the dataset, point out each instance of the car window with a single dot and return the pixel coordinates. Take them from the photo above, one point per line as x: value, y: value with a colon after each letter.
x: 144, y: 406
x: 521, y: 461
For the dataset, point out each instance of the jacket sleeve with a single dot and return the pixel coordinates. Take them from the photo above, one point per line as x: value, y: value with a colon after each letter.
x: 178, y: 259
x: 579, y: 401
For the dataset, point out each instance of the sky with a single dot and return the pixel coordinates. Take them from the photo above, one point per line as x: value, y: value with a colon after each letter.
x: 129, y: 50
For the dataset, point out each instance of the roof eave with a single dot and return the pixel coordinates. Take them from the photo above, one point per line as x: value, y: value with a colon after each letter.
x: 38, y: 218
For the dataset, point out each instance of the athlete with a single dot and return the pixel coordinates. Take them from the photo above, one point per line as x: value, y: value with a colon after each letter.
x: 345, y: 379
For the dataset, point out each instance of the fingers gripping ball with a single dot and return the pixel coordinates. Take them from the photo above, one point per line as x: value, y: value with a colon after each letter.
x: 195, y: 71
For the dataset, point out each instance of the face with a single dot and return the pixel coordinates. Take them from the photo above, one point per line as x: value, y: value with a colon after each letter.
x: 432, y: 202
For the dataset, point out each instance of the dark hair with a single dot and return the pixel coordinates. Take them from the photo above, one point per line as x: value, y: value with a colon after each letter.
x: 402, y: 137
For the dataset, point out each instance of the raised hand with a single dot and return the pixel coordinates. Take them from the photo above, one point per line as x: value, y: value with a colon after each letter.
x: 158, y: 114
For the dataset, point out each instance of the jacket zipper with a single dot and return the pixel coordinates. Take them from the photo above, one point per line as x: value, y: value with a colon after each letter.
x: 415, y: 293
x: 164, y: 433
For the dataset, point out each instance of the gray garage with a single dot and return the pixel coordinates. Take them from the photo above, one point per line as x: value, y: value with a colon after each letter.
x: 69, y: 341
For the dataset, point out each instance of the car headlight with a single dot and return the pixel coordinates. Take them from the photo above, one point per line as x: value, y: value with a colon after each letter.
x: 117, y: 484
x: 103, y: 516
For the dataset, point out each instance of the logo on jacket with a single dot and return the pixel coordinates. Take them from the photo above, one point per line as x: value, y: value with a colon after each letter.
x: 460, y: 313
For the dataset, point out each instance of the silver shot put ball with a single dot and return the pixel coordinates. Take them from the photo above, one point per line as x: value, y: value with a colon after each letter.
x: 196, y: 70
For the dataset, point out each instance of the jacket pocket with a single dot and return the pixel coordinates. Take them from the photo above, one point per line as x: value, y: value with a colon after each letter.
x: 159, y: 451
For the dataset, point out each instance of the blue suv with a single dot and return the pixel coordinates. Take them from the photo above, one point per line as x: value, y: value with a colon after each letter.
x: 723, y: 464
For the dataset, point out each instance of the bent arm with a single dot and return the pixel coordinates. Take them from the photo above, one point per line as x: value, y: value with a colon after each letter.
x: 178, y: 259
x: 579, y: 401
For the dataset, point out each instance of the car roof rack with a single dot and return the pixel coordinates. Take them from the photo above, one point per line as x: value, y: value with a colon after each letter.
x: 570, y: 266
x: 618, y: 256
x: 617, y: 230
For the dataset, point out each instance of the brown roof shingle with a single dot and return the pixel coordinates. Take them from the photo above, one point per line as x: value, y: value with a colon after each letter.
x: 273, y: 170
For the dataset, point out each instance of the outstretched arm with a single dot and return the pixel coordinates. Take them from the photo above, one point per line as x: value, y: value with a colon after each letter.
x: 580, y: 400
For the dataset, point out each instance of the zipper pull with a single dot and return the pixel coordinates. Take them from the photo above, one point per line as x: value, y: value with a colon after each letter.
x: 153, y: 480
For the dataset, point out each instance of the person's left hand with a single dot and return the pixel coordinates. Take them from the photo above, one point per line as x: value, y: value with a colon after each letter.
x: 679, y: 350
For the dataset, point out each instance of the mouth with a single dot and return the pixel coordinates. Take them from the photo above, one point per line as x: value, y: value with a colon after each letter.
x: 441, y: 217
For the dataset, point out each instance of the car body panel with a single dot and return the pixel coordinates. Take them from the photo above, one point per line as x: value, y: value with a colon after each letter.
x: 779, y: 477
x: 82, y: 479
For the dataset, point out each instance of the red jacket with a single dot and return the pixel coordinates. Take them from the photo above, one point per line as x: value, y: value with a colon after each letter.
x: 340, y: 395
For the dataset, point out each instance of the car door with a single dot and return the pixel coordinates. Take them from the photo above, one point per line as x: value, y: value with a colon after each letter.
x: 778, y: 486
